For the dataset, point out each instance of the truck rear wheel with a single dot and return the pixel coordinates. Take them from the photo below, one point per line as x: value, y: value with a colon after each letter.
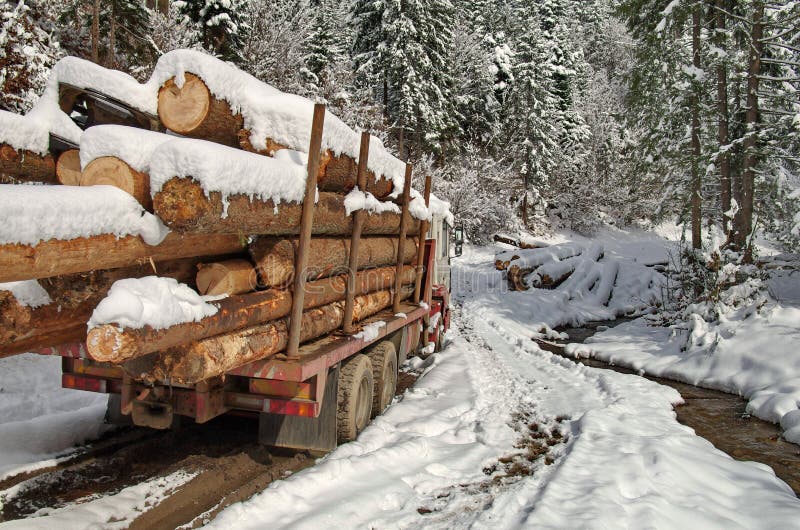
x: 384, y: 374
x: 354, y: 398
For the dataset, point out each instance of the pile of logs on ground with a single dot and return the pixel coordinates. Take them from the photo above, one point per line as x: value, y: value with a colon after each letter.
x: 574, y: 269
x: 241, y: 246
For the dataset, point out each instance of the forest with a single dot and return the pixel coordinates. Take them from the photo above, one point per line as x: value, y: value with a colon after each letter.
x: 535, y: 115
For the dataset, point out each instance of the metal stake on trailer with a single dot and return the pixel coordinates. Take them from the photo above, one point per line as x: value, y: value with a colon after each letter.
x: 304, y: 241
x: 423, y: 232
x: 401, y: 243
x: 355, y: 239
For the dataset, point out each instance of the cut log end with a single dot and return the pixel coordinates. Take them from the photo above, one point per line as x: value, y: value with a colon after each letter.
x: 68, y: 168
x: 112, y: 171
x: 183, y: 109
x: 108, y: 343
x: 230, y: 277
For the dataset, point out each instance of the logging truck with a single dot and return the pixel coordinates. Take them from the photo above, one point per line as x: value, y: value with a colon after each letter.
x: 332, y: 270
x: 323, y: 395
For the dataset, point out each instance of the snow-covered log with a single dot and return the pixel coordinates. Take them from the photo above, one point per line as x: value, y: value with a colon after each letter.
x: 274, y: 258
x: 112, y: 343
x: 68, y: 168
x: 184, y: 205
x: 20, y: 165
x: 216, y: 355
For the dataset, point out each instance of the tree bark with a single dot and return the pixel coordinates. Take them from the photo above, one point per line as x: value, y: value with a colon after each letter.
x: 110, y: 343
x: 17, y: 166
x: 96, y: 32
x: 112, y: 171
x: 743, y: 222
x: 214, y: 356
x: 697, y: 241
x: 230, y: 277
x: 722, y: 122
x: 183, y: 205
x: 57, y: 257
x: 68, y: 168
x: 274, y: 258
x: 112, y: 36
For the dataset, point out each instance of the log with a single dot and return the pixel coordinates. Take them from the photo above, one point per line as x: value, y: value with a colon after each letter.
x: 516, y: 277
x: 227, y: 277
x: 183, y: 205
x: 337, y: 173
x: 74, y: 297
x: 274, y: 258
x: 110, y: 343
x: 112, y: 171
x: 57, y: 257
x: 191, y: 110
x: 214, y: 356
x: 68, y: 168
x: 516, y: 242
x: 18, y: 166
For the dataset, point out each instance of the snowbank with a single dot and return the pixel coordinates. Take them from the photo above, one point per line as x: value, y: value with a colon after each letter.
x: 753, y: 354
x: 151, y: 301
x: 227, y: 170
x: 27, y: 293
x: 39, y: 213
x: 134, y: 146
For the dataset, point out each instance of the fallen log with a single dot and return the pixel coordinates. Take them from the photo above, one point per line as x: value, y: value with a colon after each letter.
x: 183, y: 205
x: 516, y: 277
x: 57, y: 257
x: 227, y: 277
x: 17, y: 166
x: 110, y: 343
x: 191, y: 110
x: 112, y: 171
x: 68, y: 168
x: 516, y: 242
x: 214, y: 356
x: 73, y: 298
x: 551, y: 275
x: 274, y: 258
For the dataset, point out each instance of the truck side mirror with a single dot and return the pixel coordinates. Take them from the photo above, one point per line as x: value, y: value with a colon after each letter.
x: 458, y: 250
x: 460, y: 234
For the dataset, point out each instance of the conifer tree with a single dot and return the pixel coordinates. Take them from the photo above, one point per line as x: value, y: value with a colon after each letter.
x: 220, y: 24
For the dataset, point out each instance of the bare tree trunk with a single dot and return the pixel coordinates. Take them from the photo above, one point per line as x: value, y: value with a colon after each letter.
x: 96, y: 31
x: 112, y: 36
x: 722, y: 120
x: 745, y: 225
x: 695, y: 104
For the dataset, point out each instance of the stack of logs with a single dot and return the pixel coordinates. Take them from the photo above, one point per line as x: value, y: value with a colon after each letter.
x: 250, y: 253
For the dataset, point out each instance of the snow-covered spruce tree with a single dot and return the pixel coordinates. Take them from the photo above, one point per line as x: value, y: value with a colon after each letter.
x: 326, y: 44
x: 220, y: 24
x: 28, y: 49
x: 402, y: 49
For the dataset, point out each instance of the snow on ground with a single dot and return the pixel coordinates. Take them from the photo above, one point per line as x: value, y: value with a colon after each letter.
x: 450, y: 452
x: 754, y: 354
x: 113, y: 512
x: 40, y: 421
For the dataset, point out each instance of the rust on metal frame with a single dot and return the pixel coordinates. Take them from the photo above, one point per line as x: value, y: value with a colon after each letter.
x: 355, y: 240
x: 423, y: 232
x: 306, y: 221
x: 401, y: 242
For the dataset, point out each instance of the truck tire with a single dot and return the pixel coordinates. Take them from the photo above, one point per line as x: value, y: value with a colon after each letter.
x: 384, y: 375
x: 439, y: 338
x: 354, y: 398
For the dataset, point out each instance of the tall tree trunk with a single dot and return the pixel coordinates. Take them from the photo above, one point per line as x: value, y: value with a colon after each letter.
x: 695, y: 104
x: 744, y: 226
x: 722, y: 121
x: 112, y: 36
x: 95, y: 31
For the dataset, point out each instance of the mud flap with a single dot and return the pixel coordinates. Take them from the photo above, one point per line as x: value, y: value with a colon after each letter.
x: 298, y: 432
